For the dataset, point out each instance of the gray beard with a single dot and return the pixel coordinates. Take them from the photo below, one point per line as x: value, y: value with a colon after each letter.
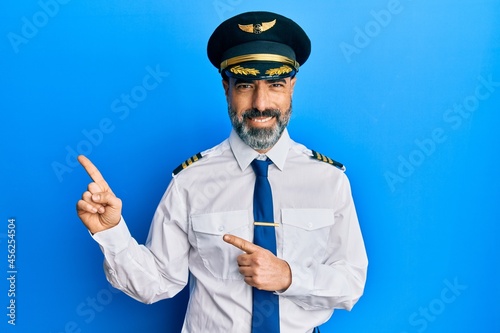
x: 260, y: 138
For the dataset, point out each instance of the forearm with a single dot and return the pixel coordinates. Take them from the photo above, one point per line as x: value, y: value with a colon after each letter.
x: 321, y: 286
x: 136, y: 270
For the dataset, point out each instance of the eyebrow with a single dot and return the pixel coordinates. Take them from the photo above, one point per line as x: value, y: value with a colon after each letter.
x: 276, y: 81
x: 239, y: 81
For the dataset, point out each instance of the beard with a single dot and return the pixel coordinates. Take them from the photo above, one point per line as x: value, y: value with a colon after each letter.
x: 259, y: 138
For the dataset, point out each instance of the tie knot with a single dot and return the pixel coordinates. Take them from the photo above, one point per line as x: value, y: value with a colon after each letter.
x: 260, y: 167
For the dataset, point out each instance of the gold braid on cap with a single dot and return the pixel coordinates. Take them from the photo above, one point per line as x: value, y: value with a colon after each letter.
x: 279, y: 71
x: 244, y: 71
x: 259, y: 57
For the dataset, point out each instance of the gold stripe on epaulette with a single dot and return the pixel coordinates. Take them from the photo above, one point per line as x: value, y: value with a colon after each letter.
x: 187, y: 163
x: 316, y: 155
x: 326, y: 159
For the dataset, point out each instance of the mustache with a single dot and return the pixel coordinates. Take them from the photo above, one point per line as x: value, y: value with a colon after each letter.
x: 253, y: 113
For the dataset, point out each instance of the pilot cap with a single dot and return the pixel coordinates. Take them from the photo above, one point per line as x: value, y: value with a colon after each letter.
x: 257, y: 46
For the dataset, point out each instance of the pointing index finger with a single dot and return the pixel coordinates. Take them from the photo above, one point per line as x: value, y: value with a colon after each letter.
x: 93, y: 172
x: 241, y: 244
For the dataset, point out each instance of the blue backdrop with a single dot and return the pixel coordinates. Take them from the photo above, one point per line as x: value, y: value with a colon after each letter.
x: 404, y: 92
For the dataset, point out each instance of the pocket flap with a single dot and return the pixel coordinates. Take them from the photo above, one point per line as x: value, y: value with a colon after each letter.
x: 219, y: 223
x: 308, y: 219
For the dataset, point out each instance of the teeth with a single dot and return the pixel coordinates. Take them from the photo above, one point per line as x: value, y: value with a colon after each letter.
x: 261, y: 120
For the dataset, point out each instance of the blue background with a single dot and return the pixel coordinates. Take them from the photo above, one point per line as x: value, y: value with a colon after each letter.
x: 381, y: 92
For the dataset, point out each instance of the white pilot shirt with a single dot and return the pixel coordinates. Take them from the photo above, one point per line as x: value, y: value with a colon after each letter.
x: 318, y: 235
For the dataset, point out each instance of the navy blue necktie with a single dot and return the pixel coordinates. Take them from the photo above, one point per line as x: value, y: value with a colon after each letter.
x: 265, y: 315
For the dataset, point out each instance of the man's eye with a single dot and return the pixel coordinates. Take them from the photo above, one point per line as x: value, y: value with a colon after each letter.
x: 243, y: 86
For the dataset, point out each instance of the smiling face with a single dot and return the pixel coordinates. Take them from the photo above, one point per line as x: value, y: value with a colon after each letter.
x: 259, y: 109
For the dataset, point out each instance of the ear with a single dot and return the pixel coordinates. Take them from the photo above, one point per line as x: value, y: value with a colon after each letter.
x: 225, y: 85
x: 292, y: 84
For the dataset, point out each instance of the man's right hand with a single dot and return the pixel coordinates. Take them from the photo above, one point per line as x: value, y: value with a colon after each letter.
x: 99, y: 209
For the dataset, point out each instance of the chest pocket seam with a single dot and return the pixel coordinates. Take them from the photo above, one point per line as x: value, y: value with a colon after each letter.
x: 308, y: 218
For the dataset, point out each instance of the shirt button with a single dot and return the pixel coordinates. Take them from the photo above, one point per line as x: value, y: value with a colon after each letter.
x: 310, y: 225
x: 221, y: 228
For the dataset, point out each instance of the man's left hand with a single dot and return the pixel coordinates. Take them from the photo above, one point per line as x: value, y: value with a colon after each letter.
x: 260, y: 267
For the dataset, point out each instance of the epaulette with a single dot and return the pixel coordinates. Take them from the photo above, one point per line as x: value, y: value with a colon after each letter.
x: 187, y: 163
x: 323, y: 158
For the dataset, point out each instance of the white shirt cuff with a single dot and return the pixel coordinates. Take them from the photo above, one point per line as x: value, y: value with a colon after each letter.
x: 115, y: 239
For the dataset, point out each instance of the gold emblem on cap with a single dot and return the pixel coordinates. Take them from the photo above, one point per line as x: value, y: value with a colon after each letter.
x: 244, y: 71
x: 279, y: 71
x: 257, y: 28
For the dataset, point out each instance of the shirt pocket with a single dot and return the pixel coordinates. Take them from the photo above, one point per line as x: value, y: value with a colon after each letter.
x: 306, y: 233
x: 219, y: 257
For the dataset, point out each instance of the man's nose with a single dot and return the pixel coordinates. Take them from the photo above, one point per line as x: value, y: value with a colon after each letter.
x: 260, y: 98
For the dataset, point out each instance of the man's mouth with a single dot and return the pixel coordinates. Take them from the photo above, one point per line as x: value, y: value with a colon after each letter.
x: 261, y: 119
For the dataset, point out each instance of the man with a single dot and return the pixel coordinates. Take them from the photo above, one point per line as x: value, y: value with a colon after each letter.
x: 264, y: 228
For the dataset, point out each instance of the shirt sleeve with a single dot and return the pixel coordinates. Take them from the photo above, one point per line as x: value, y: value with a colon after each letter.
x: 337, y: 282
x: 158, y: 269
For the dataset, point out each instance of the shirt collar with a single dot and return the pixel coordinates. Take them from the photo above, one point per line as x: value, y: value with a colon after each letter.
x: 244, y: 154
